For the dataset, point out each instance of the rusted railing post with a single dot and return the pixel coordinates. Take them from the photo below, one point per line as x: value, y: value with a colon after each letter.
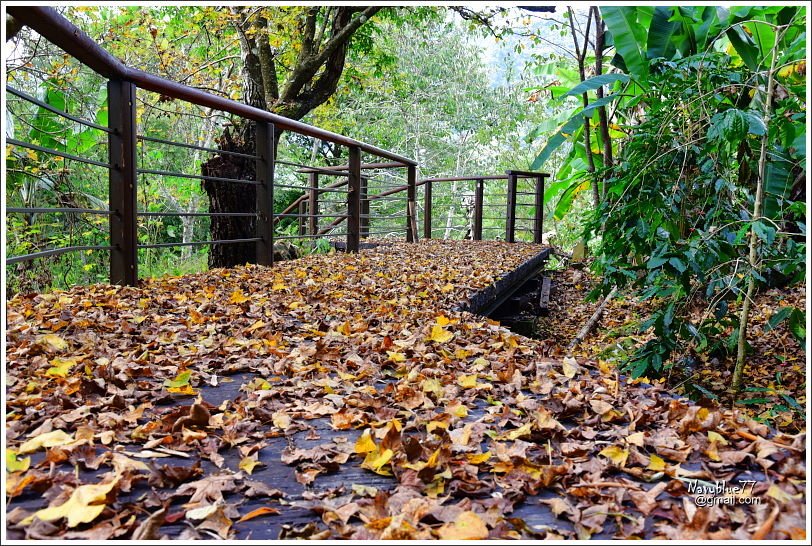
x: 479, y: 193
x: 265, y: 174
x: 411, y: 203
x: 354, y: 200
x: 427, y: 209
x: 364, y: 208
x: 313, y: 182
x: 123, y: 180
x: 538, y: 218
x: 510, y: 218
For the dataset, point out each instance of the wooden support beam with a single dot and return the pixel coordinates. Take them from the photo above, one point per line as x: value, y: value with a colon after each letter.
x: 301, y: 217
x: 354, y: 200
x: 313, y: 224
x: 123, y: 182
x: 479, y: 194
x: 538, y: 219
x: 544, y: 299
x: 427, y: 187
x: 364, y: 207
x: 510, y: 216
x: 411, y: 204
x: 265, y: 177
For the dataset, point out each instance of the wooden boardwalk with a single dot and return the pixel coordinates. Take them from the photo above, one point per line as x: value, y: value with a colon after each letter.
x: 347, y: 396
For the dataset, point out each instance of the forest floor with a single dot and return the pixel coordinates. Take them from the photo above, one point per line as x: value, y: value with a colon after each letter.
x: 775, y: 370
x: 341, y: 396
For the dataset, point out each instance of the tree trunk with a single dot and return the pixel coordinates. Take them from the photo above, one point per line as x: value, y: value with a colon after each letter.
x: 600, y: 34
x: 580, y: 54
x: 757, y: 205
x: 312, y: 80
x: 232, y: 197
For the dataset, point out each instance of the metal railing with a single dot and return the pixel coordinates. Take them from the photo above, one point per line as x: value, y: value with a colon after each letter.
x: 363, y: 199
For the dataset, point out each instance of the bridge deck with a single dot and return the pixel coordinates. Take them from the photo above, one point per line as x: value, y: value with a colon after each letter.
x: 346, y: 395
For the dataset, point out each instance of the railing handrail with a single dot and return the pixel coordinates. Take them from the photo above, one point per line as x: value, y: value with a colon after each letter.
x: 64, y: 34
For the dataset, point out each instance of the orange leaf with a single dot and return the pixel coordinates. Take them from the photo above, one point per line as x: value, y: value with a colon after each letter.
x: 262, y: 511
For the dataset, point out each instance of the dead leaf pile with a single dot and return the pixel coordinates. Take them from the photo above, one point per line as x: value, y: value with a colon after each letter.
x: 342, y: 396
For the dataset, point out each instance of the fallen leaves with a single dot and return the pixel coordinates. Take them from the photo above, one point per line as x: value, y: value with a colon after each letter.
x: 467, y: 526
x: 440, y: 334
x: 374, y: 404
x: 45, y: 440
x: 85, y: 504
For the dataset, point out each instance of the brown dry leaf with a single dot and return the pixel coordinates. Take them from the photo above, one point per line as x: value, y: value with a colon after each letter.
x: 467, y: 526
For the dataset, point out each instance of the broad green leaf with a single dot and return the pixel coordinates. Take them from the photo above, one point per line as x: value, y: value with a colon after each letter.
x: 568, y: 129
x: 629, y: 37
x: 593, y: 83
x: 662, y: 33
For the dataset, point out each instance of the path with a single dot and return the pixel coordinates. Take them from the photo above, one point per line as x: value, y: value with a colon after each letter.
x: 341, y: 396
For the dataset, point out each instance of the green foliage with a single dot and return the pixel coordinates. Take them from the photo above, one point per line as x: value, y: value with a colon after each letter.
x: 675, y: 222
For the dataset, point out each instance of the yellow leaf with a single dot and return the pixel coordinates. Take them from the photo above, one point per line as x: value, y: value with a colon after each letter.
x: 256, y: 326
x: 365, y: 443
x: 52, y: 341
x: 345, y: 328
x: 187, y: 390
x: 443, y: 320
x: 523, y: 430
x: 238, y: 297
x: 61, y: 367
x: 395, y: 356
x: 203, y: 512
x: 467, y: 381
x: 248, y: 464
x: 717, y: 438
x: 84, y: 505
x: 636, y: 439
x: 16, y: 465
x: 457, y: 410
x: 434, y: 425
x: 281, y: 420
x: 375, y: 460
x: 278, y: 286
x: 467, y: 526
x: 616, y: 454
x: 440, y: 334
x: 433, y: 385
x: 189, y: 435
x: 478, y: 458
x: 447, y: 288
x: 778, y: 494
x: 656, y: 463
x: 480, y: 363
x: 570, y: 367
x: 181, y: 380
x: 47, y: 439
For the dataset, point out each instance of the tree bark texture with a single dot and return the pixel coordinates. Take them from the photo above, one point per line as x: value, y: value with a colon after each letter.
x: 325, y: 38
